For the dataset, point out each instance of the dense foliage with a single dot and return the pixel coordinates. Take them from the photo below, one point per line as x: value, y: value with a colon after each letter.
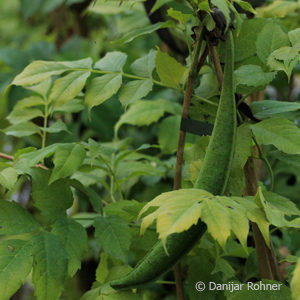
x: 90, y: 117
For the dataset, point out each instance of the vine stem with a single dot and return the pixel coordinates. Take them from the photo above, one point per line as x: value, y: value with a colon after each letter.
x: 194, y: 70
x: 263, y: 157
x: 141, y: 78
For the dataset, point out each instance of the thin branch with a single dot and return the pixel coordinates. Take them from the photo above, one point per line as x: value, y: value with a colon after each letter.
x: 194, y: 70
x: 41, y: 166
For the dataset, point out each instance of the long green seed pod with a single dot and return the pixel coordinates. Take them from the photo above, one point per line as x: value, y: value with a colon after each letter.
x: 213, y: 177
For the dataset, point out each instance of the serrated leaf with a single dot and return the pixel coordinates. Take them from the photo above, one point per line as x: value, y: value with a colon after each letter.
x: 146, y: 112
x: 145, y: 65
x: 58, y: 126
x: 40, y: 70
x: 168, y: 133
x: 68, y: 87
x: 112, y: 62
x: 22, y: 129
x: 15, y: 220
x: 245, y: 42
x: 15, y: 265
x: 52, y: 200
x: 113, y: 235
x: 8, y: 178
x: 294, y: 36
x: 169, y: 70
x: 102, y: 88
x: 49, y: 267
x: 217, y: 220
x: 256, y: 215
x: 102, y: 269
x: 170, y: 206
x: 284, y: 59
x: 135, y: 90
x: 280, y: 132
x: 276, y: 207
x: 295, y: 282
x: 75, y: 241
x: 268, y: 108
x: 67, y: 160
x: 177, y: 211
x: 252, y: 75
x: 270, y: 38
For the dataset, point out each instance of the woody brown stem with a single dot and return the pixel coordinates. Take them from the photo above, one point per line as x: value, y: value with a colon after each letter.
x: 194, y: 70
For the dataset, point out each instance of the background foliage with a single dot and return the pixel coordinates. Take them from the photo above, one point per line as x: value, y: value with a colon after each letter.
x: 90, y: 113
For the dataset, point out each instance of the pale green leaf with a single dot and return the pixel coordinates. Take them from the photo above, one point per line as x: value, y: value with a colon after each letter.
x: 252, y: 75
x: 67, y: 159
x: 145, y: 65
x: 245, y: 6
x: 179, y: 16
x: 208, y: 85
x: 295, y: 286
x: 294, y: 36
x: 142, y: 31
x: 42, y: 88
x: 15, y: 220
x: 143, y: 113
x: 49, y: 267
x: 20, y: 115
x: 112, y: 62
x: 52, y: 200
x: 113, y: 235
x: 75, y: 240
x: 276, y: 207
x: 256, y: 215
x: 168, y: 133
x: 8, y: 177
x: 170, y: 207
x: 102, y: 88
x: 29, y: 102
x: 169, y: 70
x: 270, y: 38
x: 58, y: 126
x: 22, y: 129
x: 68, y: 87
x: 277, y: 9
x: 15, y: 265
x: 280, y: 132
x: 72, y: 106
x: 284, y: 59
x: 26, y: 160
x: 217, y: 220
x: 40, y: 70
x: 135, y: 90
x: 268, y: 108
